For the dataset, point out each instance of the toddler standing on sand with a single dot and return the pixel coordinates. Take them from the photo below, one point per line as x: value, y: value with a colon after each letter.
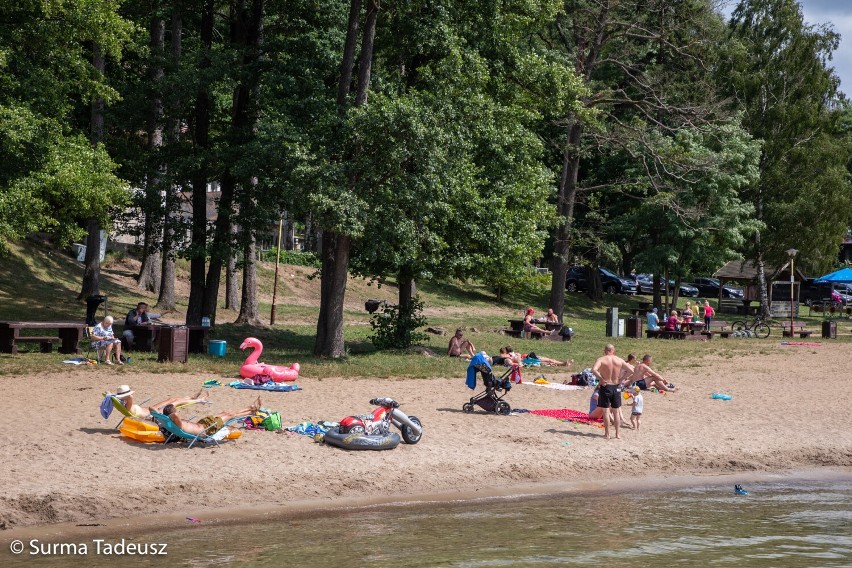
x: 636, y: 415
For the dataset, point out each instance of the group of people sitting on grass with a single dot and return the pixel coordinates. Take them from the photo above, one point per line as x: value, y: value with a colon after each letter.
x: 207, y: 425
x: 681, y: 322
x: 463, y: 348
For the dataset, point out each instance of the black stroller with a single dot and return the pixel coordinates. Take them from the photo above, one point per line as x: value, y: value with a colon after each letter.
x: 491, y: 399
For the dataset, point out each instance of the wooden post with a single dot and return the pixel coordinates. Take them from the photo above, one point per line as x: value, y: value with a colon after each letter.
x: 277, y: 262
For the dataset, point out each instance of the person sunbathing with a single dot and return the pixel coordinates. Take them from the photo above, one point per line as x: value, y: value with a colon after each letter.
x: 460, y: 347
x: 209, y: 424
x: 533, y: 359
x: 125, y: 395
x: 645, y: 377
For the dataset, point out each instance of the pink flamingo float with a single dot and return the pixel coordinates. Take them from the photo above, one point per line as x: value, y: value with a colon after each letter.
x: 251, y: 368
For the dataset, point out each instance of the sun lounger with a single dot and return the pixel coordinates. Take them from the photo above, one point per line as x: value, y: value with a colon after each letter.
x: 167, y: 424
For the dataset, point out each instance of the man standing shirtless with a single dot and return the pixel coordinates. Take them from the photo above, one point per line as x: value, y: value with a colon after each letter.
x: 608, y: 371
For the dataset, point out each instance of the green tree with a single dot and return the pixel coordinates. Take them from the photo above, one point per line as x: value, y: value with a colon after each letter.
x: 51, y: 179
x: 778, y: 72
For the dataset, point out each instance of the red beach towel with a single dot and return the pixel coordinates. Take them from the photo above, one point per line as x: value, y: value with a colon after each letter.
x: 568, y: 415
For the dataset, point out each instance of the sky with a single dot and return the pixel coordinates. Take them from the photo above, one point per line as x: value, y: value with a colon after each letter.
x: 839, y: 14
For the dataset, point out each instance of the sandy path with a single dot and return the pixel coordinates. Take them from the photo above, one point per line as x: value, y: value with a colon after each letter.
x: 62, y: 462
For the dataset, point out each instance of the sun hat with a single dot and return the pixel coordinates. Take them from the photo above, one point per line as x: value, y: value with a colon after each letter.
x: 636, y: 389
x: 123, y: 391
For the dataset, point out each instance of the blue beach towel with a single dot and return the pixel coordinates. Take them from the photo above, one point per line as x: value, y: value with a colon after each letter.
x: 478, y: 360
x: 274, y: 387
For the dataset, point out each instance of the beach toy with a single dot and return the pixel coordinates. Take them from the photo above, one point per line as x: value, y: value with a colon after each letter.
x: 721, y: 396
x: 251, y: 368
x: 211, y: 383
x: 738, y: 489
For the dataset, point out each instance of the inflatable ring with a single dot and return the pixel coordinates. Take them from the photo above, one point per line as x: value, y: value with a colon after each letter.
x: 357, y: 441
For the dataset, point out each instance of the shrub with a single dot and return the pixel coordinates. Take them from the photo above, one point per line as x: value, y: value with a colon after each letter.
x: 397, y: 329
x: 295, y: 257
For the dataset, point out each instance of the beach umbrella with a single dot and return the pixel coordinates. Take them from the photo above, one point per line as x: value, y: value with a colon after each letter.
x: 844, y: 275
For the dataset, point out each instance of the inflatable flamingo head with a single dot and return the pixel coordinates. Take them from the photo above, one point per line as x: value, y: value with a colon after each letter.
x: 251, y: 342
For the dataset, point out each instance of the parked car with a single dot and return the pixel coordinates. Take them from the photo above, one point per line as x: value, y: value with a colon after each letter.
x: 812, y: 293
x: 646, y: 286
x: 575, y: 280
x: 709, y: 288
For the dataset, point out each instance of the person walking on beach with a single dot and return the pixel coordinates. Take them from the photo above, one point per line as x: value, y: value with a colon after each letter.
x: 608, y: 371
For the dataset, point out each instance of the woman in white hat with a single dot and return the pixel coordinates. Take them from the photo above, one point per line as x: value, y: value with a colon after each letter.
x: 125, y: 395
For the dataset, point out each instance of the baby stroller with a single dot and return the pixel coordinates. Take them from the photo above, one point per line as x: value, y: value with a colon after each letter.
x: 491, y: 399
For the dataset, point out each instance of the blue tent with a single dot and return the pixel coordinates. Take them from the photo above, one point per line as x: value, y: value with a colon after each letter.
x: 844, y: 275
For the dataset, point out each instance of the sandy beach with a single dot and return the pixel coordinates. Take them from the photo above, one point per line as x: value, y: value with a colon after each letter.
x: 63, y: 463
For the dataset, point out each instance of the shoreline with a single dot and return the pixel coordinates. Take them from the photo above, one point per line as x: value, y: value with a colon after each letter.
x: 73, y: 467
x: 136, y: 526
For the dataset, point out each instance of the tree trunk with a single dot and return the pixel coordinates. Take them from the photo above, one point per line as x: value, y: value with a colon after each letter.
x: 594, y: 289
x: 289, y: 231
x: 565, y: 199
x: 201, y: 134
x: 166, y: 299
x: 249, y: 313
x: 406, y: 288
x: 335, y: 263
x: 336, y: 247
x: 365, y: 59
x: 247, y: 31
x: 347, y: 63
x: 150, y: 273
x: 308, y: 240
x: 231, y: 288
x: 92, y: 271
x: 657, y: 299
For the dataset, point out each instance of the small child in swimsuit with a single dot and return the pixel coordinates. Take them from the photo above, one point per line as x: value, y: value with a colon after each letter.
x: 636, y: 415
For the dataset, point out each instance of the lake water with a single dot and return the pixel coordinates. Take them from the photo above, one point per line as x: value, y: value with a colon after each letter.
x: 777, y: 524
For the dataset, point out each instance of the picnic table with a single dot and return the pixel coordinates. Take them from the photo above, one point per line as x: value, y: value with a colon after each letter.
x: 798, y: 327
x: 718, y: 327
x: 68, y: 333
x: 516, y: 329
x: 146, y: 336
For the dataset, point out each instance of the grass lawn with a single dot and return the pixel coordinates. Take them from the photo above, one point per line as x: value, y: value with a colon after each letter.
x: 37, y: 283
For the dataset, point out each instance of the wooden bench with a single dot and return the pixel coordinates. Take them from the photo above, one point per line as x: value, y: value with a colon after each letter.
x: 798, y: 327
x: 723, y: 329
x: 45, y: 343
x: 652, y: 333
x: 68, y: 333
x: 668, y: 334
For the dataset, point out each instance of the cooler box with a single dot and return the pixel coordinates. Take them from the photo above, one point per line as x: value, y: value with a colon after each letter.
x: 218, y: 347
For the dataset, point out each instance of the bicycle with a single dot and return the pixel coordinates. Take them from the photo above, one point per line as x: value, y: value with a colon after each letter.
x: 758, y: 327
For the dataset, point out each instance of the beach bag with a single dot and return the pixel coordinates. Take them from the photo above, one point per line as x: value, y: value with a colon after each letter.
x: 584, y: 379
x: 272, y: 422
